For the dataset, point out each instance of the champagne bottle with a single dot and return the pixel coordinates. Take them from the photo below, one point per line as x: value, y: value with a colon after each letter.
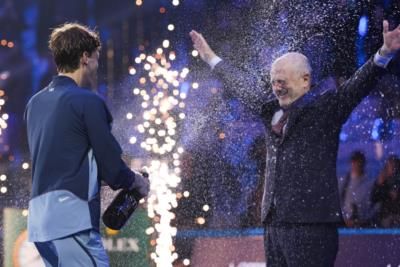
x: 121, y: 208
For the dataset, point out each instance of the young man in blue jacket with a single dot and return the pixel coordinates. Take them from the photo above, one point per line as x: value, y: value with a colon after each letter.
x: 73, y: 151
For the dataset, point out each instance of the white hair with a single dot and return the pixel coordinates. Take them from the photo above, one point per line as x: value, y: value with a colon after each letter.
x: 296, y: 61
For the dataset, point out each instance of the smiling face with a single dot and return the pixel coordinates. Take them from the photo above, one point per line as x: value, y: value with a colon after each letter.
x: 290, y: 78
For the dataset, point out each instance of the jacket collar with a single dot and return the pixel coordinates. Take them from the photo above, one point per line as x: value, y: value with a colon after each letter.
x: 296, y: 109
x: 61, y: 80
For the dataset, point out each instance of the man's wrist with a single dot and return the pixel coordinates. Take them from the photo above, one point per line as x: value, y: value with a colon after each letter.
x: 384, y: 52
x: 214, y: 61
x: 383, y: 57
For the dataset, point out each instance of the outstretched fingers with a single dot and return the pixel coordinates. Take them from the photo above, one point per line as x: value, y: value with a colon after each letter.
x: 386, y: 26
x: 197, y: 39
x: 195, y: 36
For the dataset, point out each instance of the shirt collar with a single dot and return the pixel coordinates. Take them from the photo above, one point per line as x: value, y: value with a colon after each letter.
x: 63, y: 80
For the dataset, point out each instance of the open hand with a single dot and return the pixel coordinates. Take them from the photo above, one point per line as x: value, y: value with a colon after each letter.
x: 201, y: 45
x: 391, y: 39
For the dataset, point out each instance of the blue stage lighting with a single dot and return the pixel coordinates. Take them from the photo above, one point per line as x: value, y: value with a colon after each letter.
x: 363, y: 26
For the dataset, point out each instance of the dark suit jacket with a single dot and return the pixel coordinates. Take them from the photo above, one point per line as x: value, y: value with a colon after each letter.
x: 300, y: 176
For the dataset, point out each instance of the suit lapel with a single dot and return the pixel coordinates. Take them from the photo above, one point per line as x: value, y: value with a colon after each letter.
x: 268, y: 112
x: 292, y: 120
x: 297, y: 110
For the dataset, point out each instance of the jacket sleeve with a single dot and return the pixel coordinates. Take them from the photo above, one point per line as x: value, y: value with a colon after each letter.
x: 106, y: 149
x: 252, y: 91
x: 358, y: 86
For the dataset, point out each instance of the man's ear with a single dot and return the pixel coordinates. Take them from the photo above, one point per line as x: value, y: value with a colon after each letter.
x: 307, y: 78
x: 85, y: 58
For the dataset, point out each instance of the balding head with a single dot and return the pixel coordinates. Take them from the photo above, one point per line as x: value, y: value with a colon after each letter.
x: 294, y: 61
x: 290, y: 77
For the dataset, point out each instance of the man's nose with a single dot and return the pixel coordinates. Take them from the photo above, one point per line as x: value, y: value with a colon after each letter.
x: 276, y: 87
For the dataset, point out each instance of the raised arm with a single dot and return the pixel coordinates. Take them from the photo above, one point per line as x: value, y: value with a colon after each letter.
x: 350, y: 94
x: 254, y: 92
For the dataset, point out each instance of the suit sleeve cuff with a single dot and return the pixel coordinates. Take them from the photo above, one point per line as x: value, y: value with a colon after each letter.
x: 214, y: 61
x: 382, y: 61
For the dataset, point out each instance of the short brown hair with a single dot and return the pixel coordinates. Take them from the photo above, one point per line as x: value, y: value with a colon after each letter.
x: 69, y: 41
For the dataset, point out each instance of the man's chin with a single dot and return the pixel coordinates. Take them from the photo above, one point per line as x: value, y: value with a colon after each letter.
x: 284, y: 104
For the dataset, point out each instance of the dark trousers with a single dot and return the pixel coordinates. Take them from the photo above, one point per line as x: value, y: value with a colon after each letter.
x: 297, y: 245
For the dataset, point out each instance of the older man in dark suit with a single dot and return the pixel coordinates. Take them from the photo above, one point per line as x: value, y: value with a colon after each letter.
x: 301, y: 208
